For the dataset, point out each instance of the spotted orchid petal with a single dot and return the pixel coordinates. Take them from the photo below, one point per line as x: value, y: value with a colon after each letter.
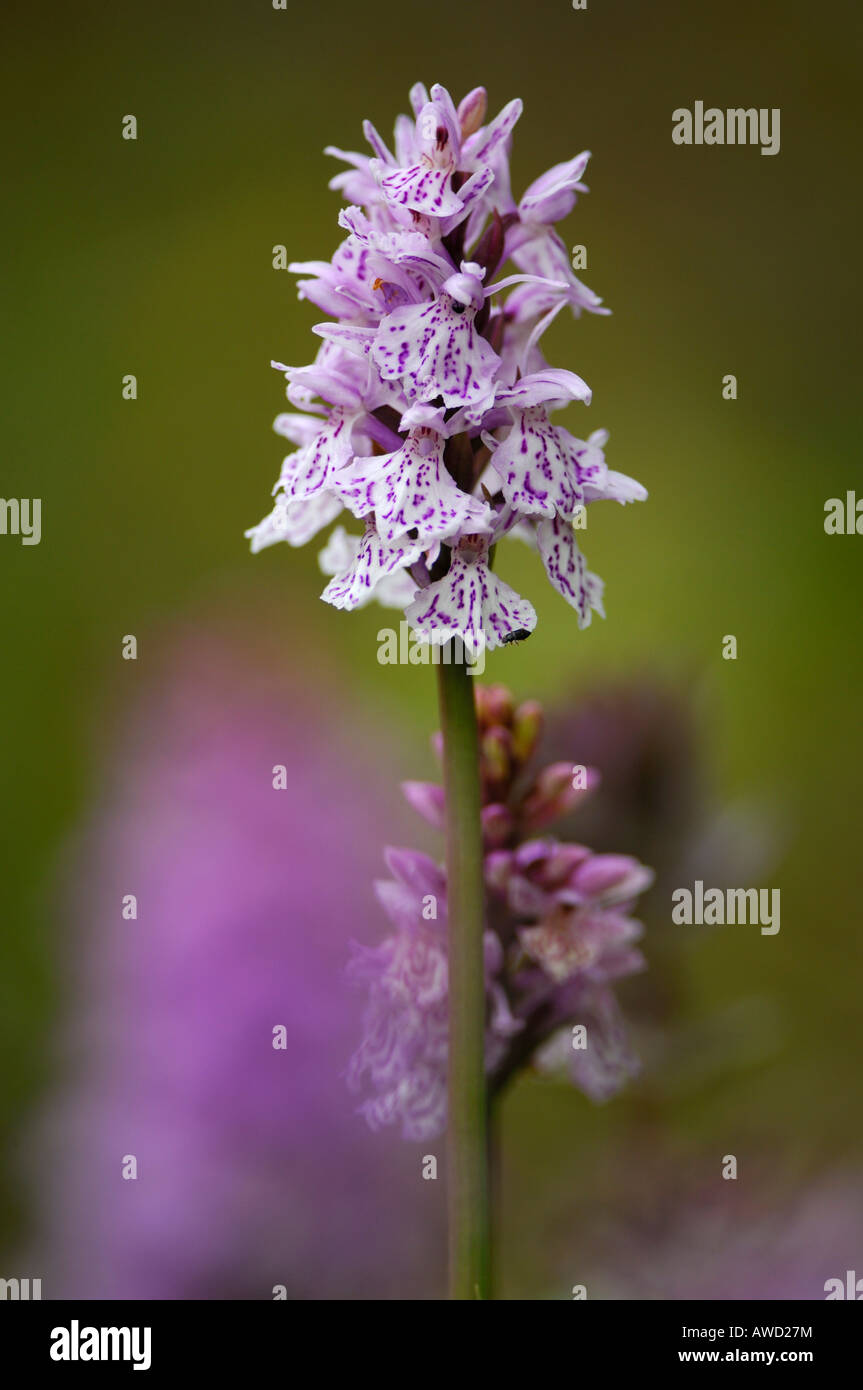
x: 411, y: 490
x: 306, y: 472
x: 567, y: 570
x: 294, y: 522
x: 542, y: 467
x: 435, y: 351
x: 471, y: 603
x: 616, y: 487
x: 425, y: 186
x: 480, y: 148
x: 372, y: 563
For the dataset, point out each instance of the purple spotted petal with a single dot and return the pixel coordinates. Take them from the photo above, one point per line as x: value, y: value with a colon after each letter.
x: 422, y: 188
x: 471, y: 195
x: 375, y: 561
x: 617, y: 487
x: 294, y: 522
x: 480, y: 148
x: 566, y: 568
x: 542, y: 467
x: 434, y: 350
x: 472, y: 603
x: 306, y: 472
x: 410, y: 490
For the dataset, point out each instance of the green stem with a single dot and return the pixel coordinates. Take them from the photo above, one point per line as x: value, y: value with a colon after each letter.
x: 467, y: 1141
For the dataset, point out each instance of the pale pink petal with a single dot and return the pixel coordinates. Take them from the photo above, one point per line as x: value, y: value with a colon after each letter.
x: 471, y: 603
x: 542, y: 468
x: 294, y: 522
x: 306, y: 472
x: 435, y: 351
x: 567, y: 570
x: 374, y: 561
x: 479, y: 148
x: 411, y: 490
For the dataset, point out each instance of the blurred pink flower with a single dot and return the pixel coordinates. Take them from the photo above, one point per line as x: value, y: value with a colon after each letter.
x: 767, y: 1237
x: 252, y: 1169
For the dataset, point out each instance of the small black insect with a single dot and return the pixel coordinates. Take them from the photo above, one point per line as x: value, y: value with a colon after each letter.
x: 517, y: 636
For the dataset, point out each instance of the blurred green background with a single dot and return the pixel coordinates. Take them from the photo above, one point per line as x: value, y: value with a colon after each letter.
x: 155, y: 258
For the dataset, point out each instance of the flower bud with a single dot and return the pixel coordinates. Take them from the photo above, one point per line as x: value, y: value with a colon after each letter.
x: 498, y: 868
x: 498, y: 825
x: 471, y: 111
x: 494, y: 705
x: 496, y: 762
x: 526, y: 729
x: 611, y: 876
x: 553, y: 795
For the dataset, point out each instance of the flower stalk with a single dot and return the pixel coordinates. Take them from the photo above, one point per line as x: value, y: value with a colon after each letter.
x: 468, y: 1194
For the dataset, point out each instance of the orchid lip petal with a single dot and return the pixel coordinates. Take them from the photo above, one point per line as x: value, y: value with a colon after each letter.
x: 471, y: 603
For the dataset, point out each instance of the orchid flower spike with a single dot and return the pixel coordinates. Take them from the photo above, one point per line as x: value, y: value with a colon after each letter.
x: 427, y: 413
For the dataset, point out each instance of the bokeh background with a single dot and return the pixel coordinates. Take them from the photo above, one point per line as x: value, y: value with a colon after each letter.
x: 155, y: 258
